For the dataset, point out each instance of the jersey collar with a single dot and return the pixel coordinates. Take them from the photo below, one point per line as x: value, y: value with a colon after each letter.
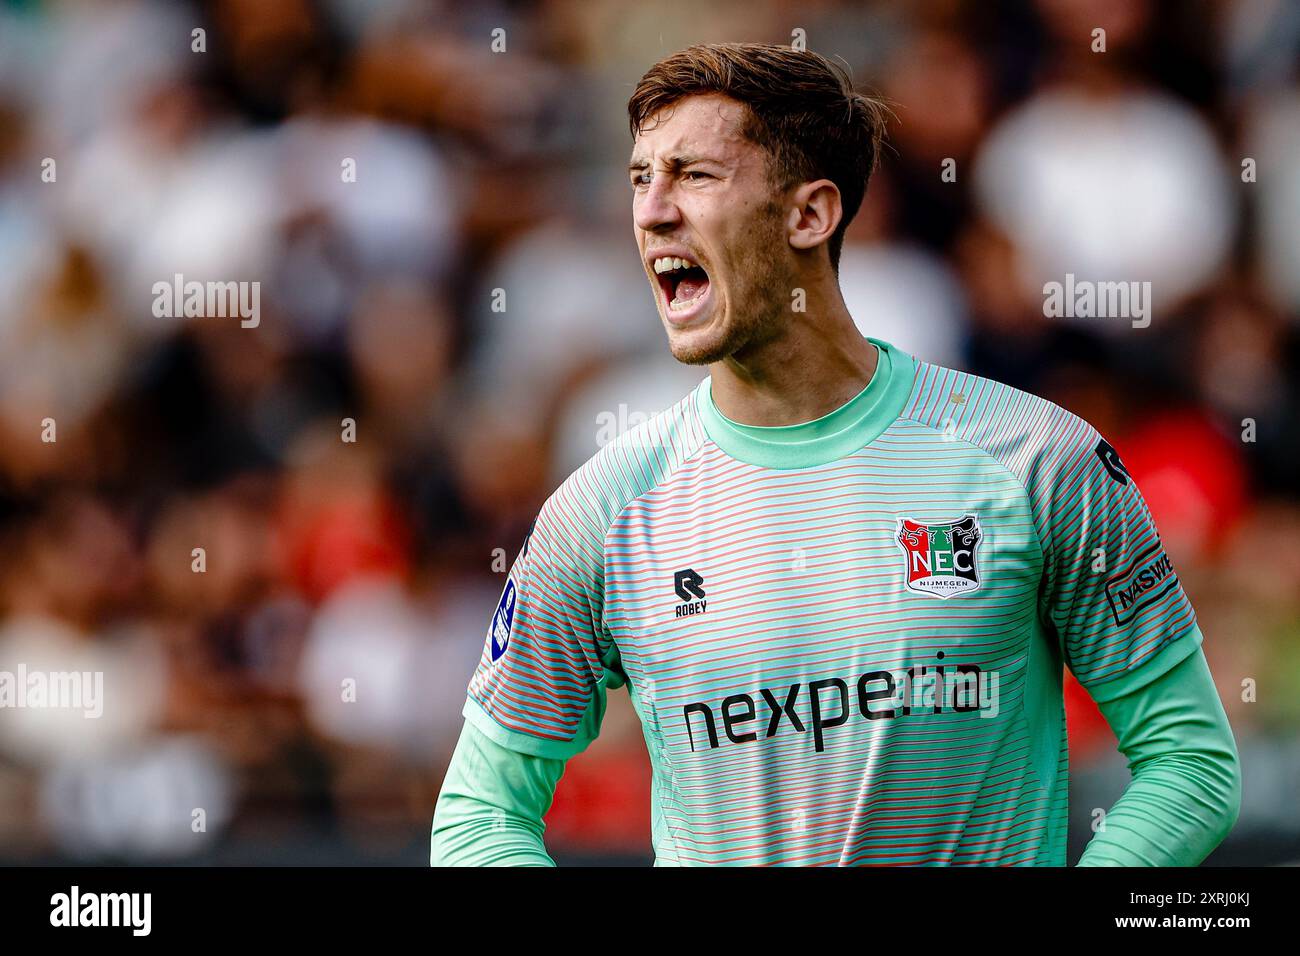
x: 841, y: 432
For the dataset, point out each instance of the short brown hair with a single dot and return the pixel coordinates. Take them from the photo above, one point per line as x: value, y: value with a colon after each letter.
x: 799, y: 106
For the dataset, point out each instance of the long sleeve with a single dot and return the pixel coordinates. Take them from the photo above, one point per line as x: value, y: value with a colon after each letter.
x: 490, y: 810
x: 536, y: 698
x: 1186, y: 788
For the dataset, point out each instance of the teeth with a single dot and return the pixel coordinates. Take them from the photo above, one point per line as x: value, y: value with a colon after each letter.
x: 671, y: 264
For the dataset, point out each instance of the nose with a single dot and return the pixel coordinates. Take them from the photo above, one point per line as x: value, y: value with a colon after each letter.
x: 653, y: 209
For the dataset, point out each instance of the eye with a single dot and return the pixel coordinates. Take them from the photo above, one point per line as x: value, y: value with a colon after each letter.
x: 696, y: 176
x: 641, y: 178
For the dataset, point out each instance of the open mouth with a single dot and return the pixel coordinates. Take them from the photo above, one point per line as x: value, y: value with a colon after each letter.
x: 684, y: 284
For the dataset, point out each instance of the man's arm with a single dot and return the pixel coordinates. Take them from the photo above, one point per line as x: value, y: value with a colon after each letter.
x: 536, y: 698
x: 1128, y: 633
x: 490, y: 810
x: 1186, y: 787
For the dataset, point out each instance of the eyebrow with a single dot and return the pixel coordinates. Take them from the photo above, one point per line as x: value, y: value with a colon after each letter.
x: 672, y: 162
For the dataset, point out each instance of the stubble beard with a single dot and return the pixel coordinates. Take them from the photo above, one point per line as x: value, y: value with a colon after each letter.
x: 757, y: 304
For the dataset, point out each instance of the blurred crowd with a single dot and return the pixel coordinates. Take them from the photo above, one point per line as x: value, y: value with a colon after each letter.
x: 281, y: 544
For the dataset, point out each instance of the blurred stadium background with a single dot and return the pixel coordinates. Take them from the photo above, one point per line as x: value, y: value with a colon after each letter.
x: 381, y: 560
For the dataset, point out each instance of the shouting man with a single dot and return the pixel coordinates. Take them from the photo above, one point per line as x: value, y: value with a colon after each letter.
x: 840, y: 584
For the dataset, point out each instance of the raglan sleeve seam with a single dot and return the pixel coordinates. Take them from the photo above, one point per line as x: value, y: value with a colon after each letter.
x: 1010, y: 472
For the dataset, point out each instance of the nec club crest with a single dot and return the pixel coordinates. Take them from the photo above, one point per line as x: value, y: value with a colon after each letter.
x: 941, y: 556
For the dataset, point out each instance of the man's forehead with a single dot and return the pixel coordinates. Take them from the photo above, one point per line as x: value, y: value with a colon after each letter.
x: 706, y: 125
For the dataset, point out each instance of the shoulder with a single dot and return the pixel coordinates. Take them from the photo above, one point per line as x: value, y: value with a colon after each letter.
x: 1036, y: 439
x: 626, y: 467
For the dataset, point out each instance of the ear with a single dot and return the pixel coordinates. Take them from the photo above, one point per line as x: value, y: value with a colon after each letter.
x: 815, y: 214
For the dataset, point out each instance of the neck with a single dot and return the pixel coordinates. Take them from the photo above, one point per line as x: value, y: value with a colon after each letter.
x: 816, y: 363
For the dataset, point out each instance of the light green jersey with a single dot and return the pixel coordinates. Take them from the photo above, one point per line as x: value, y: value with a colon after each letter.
x: 844, y: 639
